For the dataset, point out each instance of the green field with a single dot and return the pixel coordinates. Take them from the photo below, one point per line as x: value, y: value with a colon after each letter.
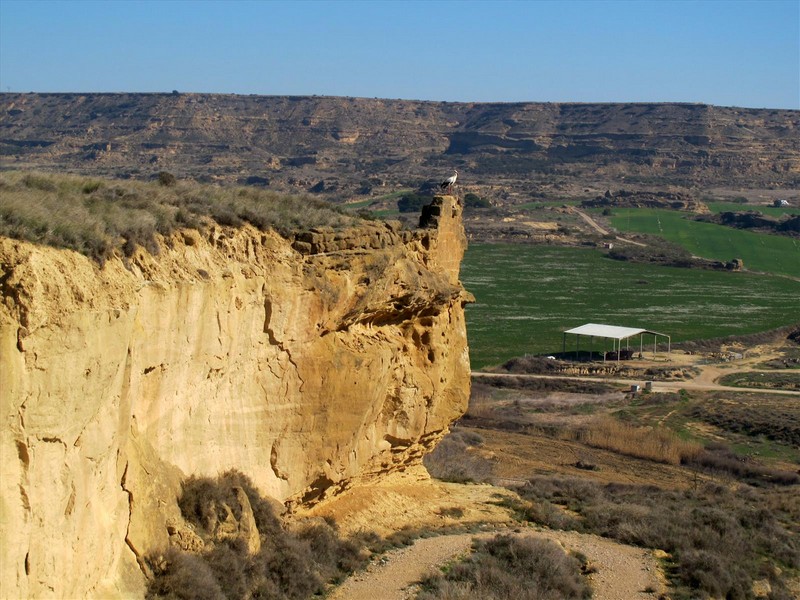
x: 759, y: 251
x: 527, y: 295
x: 772, y: 211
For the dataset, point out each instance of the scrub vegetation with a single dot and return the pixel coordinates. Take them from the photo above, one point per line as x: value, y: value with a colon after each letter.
x: 710, y: 479
x: 292, y: 562
x: 103, y: 217
x: 718, y: 541
x: 510, y: 567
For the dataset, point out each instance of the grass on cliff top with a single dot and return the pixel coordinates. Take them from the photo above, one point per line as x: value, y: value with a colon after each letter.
x: 103, y: 217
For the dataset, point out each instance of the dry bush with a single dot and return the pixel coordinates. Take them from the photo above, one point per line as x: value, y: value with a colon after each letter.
x: 719, y: 459
x: 335, y: 557
x: 202, y: 501
x: 719, y: 539
x: 547, y: 385
x: 504, y: 567
x: 774, y: 417
x: 292, y: 564
x: 651, y: 443
x: 184, y: 576
x: 455, y: 459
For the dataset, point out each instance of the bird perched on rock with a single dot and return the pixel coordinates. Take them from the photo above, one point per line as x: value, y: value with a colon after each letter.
x: 448, y: 183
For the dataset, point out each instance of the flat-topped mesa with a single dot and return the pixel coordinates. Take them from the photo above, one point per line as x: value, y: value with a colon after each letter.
x: 310, y: 365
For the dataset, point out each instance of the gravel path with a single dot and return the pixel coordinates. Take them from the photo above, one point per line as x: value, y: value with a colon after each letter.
x: 623, y: 572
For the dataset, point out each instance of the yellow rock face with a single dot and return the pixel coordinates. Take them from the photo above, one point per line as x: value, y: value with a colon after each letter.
x: 311, y: 366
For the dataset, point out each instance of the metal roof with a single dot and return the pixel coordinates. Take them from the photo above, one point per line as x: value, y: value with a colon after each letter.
x: 610, y: 331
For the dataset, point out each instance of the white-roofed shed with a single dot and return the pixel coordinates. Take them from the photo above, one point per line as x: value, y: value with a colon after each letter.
x: 616, y: 333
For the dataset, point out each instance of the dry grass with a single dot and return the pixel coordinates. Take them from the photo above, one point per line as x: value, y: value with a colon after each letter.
x: 651, y: 443
x: 102, y: 217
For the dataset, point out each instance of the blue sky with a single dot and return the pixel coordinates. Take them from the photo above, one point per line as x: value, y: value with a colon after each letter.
x: 724, y: 52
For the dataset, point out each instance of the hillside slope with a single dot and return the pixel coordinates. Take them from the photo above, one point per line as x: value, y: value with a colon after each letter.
x: 351, y: 146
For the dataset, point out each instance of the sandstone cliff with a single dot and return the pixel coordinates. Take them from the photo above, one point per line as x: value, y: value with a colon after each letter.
x: 310, y: 365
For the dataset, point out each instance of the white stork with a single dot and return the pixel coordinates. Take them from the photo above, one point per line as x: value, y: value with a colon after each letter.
x: 448, y: 183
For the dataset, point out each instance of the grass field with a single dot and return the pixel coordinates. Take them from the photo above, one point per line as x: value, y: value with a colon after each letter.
x: 759, y: 251
x: 772, y: 211
x: 527, y: 295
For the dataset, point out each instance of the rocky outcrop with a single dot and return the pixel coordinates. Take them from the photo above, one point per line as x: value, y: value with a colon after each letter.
x: 310, y: 365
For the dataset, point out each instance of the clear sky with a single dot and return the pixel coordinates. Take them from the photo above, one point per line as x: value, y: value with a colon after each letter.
x: 724, y: 52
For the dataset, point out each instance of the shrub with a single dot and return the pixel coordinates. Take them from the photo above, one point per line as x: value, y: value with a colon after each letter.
x: 505, y: 566
x: 290, y: 565
x: 452, y: 460
x: 412, y: 202
x: 719, y: 459
x: 474, y: 201
x: 166, y: 179
x: 184, y: 576
x: 720, y: 539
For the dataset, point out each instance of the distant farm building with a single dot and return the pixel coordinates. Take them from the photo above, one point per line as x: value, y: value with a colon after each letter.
x: 618, y: 335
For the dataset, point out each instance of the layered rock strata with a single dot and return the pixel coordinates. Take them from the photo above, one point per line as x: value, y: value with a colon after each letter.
x: 355, y: 146
x: 310, y: 365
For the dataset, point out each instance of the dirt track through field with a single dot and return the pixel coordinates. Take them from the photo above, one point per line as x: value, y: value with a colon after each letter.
x: 589, y: 220
x: 622, y: 572
x: 658, y: 386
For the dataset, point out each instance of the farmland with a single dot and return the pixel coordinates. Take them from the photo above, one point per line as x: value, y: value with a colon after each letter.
x: 759, y: 251
x: 527, y: 295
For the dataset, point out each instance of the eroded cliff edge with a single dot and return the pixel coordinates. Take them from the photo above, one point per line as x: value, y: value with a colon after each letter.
x: 310, y: 365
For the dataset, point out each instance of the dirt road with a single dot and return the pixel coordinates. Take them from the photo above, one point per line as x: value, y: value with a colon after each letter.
x: 594, y: 224
x: 658, y: 386
x: 623, y: 572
